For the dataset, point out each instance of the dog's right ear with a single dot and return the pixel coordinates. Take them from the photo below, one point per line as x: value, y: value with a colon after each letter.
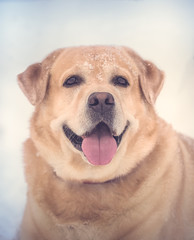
x: 34, y: 80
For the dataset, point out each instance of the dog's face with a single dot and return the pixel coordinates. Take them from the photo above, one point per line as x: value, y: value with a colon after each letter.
x: 94, y: 118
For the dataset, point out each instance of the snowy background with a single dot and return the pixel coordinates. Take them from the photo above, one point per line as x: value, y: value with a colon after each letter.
x: 159, y: 30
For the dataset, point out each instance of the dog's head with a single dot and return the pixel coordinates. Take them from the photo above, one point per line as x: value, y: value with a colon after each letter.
x: 94, y: 118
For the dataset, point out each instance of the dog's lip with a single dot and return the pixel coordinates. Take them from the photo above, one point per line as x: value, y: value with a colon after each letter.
x: 77, y: 140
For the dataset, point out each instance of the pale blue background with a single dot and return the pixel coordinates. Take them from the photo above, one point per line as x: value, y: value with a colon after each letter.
x: 160, y: 30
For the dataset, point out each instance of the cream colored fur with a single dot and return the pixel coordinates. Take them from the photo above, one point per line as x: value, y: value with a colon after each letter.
x: 145, y: 193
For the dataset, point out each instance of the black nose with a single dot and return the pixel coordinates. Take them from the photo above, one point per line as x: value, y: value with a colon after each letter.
x: 101, y: 102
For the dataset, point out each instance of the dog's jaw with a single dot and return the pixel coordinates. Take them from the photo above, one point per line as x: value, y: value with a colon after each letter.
x: 77, y: 140
x: 71, y: 164
x: 91, y: 147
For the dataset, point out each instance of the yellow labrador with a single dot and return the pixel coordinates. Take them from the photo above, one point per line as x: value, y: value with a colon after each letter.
x: 99, y: 163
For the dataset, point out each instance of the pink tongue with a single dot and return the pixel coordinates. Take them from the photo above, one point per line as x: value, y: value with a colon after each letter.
x: 100, y: 146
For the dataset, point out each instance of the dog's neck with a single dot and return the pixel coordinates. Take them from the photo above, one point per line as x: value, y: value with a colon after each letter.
x: 100, y: 203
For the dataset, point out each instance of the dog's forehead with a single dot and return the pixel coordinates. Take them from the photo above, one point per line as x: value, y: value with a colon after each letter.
x: 94, y: 59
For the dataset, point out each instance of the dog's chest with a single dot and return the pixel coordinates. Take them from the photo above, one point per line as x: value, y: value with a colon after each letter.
x: 83, y: 229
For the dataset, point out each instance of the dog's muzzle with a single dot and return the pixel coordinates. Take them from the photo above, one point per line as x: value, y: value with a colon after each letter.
x: 100, y: 144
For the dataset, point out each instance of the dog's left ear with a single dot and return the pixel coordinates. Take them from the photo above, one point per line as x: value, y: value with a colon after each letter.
x: 151, y: 82
x: 34, y: 80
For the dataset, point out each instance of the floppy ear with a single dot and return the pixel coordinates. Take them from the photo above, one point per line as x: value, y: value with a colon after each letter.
x: 151, y: 82
x: 34, y: 80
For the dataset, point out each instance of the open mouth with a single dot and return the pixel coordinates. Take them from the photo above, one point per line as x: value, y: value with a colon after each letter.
x: 78, y: 140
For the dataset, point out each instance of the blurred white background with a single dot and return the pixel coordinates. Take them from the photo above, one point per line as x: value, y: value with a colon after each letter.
x: 159, y: 30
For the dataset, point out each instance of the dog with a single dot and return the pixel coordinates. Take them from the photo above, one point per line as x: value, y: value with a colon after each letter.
x: 100, y: 164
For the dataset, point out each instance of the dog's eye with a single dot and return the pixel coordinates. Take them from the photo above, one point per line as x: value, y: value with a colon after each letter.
x: 72, y: 81
x: 120, y: 81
